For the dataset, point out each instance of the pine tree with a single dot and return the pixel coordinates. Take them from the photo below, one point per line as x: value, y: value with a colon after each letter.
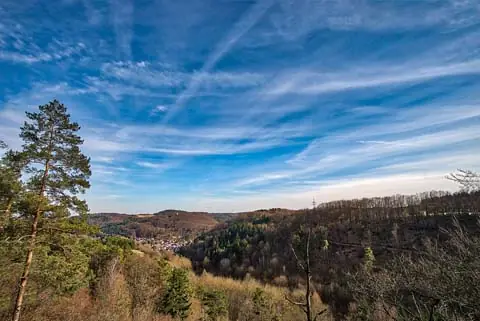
x: 176, y: 300
x: 57, y: 171
x: 214, y: 303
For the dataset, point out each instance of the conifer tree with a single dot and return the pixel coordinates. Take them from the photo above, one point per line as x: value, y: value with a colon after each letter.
x: 214, y: 303
x: 57, y: 171
x: 176, y: 300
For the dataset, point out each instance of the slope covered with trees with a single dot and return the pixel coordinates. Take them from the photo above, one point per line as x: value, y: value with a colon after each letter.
x: 154, y: 225
x: 344, y: 235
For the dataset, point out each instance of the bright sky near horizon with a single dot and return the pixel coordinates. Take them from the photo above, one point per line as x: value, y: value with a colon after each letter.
x: 228, y: 105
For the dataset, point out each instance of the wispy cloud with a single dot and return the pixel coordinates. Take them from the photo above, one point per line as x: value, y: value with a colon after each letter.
x: 159, y: 109
x: 242, y: 26
x: 314, y: 160
x: 122, y: 22
x: 295, y: 19
x: 224, y: 106
x: 158, y: 166
x: 155, y: 76
x: 36, y: 55
x: 311, y: 83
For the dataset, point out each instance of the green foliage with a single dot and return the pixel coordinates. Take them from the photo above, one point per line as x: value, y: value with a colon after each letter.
x: 368, y: 258
x: 263, y: 309
x: 260, y: 303
x: 176, y: 299
x: 214, y: 303
x: 103, y: 253
x: 11, y: 186
x: 62, y: 266
x: 123, y: 243
x: 56, y: 171
x: 261, y: 220
x: 234, y: 243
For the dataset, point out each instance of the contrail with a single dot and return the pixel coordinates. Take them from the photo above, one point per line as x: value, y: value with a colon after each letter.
x: 243, y: 25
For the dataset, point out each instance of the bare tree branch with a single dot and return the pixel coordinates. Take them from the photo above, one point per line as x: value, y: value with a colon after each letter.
x: 299, y: 262
x: 467, y: 179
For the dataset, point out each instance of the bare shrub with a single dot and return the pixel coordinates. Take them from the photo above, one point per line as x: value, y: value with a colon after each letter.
x: 439, y: 283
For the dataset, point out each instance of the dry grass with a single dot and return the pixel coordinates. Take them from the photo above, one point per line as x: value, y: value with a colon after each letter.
x: 239, y: 295
x: 178, y: 261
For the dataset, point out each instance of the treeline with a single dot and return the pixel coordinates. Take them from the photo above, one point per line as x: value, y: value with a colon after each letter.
x: 401, y: 206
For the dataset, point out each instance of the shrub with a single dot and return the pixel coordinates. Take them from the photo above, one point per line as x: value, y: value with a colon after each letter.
x: 214, y: 303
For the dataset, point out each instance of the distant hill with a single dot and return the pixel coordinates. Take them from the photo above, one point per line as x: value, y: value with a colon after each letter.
x: 154, y: 225
x: 171, y: 221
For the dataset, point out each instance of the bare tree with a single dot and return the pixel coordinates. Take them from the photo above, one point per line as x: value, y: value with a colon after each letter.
x: 302, y: 256
x: 468, y: 180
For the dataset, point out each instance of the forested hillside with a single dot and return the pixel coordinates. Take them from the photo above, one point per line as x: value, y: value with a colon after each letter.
x: 344, y: 233
x: 153, y: 225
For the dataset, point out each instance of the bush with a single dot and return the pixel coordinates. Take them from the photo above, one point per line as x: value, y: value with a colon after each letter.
x: 214, y: 303
x: 439, y: 283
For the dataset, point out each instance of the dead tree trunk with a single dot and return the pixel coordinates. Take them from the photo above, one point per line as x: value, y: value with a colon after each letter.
x: 305, y: 267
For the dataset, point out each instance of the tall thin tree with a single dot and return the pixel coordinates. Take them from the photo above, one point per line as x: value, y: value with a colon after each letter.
x: 57, y: 171
x: 301, y: 250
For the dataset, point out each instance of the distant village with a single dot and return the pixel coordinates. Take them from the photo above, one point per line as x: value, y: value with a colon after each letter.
x: 171, y: 243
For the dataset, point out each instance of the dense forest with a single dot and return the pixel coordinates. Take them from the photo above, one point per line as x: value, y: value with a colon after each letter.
x: 402, y: 257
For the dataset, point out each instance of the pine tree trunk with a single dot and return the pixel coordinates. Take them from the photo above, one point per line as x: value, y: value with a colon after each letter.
x: 26, y: 269
x: 28, y: 261
x: 31, y: 245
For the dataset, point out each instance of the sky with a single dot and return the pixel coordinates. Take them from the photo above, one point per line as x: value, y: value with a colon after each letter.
x: 232, y: 105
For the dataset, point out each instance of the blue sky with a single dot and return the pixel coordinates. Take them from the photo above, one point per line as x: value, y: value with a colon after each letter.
x: 227, y: 105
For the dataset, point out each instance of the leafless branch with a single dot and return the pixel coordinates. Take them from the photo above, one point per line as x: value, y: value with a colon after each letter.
x: 299, y: 262
x: 469, y: 180
x: 319, y: 314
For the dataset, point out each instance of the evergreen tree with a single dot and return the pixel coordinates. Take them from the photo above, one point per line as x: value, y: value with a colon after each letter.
x: 176, y: 300
x: 214, y: 303
x: 260, y: 304
x: 57, y: 171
